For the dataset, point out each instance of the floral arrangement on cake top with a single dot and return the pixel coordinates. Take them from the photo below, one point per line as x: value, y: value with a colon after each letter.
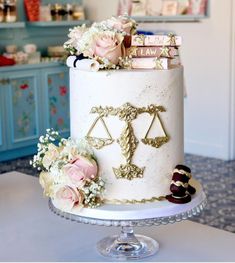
x: 102, y: 42
x: 69, y: 172
x: 115, y: 44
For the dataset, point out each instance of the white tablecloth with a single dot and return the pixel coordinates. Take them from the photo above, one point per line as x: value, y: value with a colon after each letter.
x: 29, y: 231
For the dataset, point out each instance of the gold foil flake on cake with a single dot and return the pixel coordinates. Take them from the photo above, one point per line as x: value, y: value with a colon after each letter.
x: 96, y: 142
x: 127, y: 140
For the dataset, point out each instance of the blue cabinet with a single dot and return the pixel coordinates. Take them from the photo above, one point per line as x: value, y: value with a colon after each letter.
x: 32, y: 99
x: 56, y: 88
x: 2, y: 133
x: 22, y: 108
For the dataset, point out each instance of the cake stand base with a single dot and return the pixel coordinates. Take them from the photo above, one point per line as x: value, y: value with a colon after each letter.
x: 127, y: 246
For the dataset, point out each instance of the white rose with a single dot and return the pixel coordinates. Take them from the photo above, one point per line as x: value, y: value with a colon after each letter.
x: 71, y: 152
x: 50, y: 156
x: 47, y: 183
x: 75, y: 36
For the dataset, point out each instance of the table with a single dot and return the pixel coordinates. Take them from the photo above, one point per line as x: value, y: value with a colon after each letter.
x: 29, y: 231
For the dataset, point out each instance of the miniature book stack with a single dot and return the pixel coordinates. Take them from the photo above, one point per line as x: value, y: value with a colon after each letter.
x: 154, y: 51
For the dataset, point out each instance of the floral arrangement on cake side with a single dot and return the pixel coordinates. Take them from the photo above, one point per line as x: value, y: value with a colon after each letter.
x: 102, y: 42
x: 68, y: 172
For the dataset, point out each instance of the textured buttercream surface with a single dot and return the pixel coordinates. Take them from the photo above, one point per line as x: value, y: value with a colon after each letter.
x: 139, y: 88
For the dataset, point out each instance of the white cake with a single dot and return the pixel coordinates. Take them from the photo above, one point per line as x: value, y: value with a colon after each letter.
x: 140, y: 89
x: 126, y: 117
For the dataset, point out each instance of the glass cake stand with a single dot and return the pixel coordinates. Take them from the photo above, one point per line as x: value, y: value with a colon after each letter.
x: 127, y: 245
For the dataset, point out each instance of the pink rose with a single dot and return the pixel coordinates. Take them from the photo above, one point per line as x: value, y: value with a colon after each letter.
x: 75, y: 175
x: 67, y: 198
x: 80, y: 170
x: 109, y: 45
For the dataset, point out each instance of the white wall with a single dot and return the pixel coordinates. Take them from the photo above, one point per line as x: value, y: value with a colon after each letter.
x: 232, y: 118
x: 208, y: 57
x: 98, y: 10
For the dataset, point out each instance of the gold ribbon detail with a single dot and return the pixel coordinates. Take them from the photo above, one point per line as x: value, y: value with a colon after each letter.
x: 134, y: 201
x: 180, y: 171
x: 178, y: 183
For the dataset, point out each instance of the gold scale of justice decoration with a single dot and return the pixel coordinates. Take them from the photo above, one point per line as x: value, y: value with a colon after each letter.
x: 127, y: 140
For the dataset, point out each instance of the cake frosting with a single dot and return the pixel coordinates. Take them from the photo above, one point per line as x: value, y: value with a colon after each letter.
x: 138, y: 89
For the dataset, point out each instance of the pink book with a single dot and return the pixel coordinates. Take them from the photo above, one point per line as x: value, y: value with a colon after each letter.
x: 156, y: 40
x: 150, y: 63
x: 167, y: 52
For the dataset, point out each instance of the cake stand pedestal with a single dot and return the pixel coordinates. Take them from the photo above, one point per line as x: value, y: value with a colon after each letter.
x: 127, y: 245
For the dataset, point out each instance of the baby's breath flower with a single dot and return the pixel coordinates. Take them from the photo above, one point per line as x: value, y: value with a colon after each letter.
x: 54, y: 153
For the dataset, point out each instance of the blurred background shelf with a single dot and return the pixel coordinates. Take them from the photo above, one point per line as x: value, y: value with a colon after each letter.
x: 12, y: 25
x: 58, y: 23
x: 178, y: 18
x: 30, y: 66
